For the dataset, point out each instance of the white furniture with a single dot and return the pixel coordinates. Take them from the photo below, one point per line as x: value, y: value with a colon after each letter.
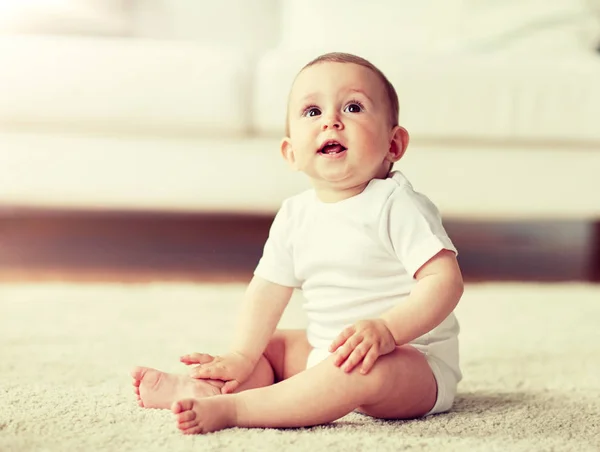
x: 182, y: 108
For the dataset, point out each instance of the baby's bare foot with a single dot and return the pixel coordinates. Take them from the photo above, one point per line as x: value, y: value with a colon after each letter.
x: 155, y: 389
x: 196, y: 416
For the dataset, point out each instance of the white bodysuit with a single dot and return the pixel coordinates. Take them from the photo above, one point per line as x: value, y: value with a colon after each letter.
x: 356, y: 259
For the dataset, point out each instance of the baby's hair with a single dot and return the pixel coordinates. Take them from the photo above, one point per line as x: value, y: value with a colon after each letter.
x: 340, y: 57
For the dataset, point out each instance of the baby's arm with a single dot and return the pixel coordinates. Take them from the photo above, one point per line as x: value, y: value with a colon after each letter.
x: 262, y: 307
x: 435, y: 295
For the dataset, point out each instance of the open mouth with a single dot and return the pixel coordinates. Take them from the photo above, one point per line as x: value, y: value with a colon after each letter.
x: 331, y: 147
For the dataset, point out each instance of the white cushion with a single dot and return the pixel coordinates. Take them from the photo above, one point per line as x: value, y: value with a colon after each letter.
x: 461, y: 97
x: 123, y: 84
x: 527, y: 27
x: 408, y: 25
x: 87, y: 17
x: 104, y: 172
x: 251, y: 25
x: 63, y: 171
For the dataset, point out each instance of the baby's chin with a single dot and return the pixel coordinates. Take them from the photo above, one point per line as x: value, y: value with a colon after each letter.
x: 340, y: 181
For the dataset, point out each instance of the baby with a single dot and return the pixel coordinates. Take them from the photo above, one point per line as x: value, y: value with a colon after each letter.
x: 376, y: 267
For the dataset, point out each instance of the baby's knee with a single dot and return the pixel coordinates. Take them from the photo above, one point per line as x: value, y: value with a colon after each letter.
x: 276, y: 346
x: 386, y: 370
x: 378, y: 378
x: 275, y: 353
x: 287, y: 352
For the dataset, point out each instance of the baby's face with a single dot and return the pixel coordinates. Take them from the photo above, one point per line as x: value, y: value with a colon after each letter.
x: 339, y: 126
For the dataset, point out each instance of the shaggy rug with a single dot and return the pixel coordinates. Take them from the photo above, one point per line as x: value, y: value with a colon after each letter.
x: 530, y: 355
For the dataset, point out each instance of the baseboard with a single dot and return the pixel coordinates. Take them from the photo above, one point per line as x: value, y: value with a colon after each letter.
x: 54, y: 244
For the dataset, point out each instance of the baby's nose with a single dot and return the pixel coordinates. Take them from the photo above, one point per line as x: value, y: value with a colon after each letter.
x: 332, y: 123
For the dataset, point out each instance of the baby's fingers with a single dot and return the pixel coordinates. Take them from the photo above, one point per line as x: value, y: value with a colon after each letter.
x: 211, y: 372
x: 196, y: 358
x: 230, y: 386
x: 356, y: 357
x: 369, y: 360
x: 341, y: 339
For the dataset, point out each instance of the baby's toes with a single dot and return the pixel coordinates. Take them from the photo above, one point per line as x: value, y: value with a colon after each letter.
x: 186, y: 416
x: 192, y: 431
x: 181, y: 406
x: 187, y: 425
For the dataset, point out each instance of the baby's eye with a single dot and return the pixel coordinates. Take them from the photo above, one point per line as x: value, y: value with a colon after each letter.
x: 311, y: 111
x: 354, y: 107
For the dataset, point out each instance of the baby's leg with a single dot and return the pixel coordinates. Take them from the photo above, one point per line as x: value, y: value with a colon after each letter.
x: 400, y: 386
x: 287, y: 353
x: 284, y: 356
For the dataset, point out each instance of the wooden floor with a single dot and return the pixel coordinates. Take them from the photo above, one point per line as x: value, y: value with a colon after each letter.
x: 137, y: 247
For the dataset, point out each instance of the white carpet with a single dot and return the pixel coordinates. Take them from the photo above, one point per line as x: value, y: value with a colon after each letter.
x: 530, y: 355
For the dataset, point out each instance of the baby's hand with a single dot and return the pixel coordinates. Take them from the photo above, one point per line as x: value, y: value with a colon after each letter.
x: 232, y: 368
x: 364, y: 341
x: 196, y: 358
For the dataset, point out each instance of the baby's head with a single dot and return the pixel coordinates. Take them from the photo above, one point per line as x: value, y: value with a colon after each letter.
x: 347, y: 58
x: 342, y: 122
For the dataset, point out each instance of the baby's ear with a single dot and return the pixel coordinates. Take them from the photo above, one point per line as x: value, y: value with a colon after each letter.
x: 398, y: 144
x: 287, y: 152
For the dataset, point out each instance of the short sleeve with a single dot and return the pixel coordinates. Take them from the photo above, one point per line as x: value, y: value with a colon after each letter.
x: 411, y: 227
x: 277, y: 264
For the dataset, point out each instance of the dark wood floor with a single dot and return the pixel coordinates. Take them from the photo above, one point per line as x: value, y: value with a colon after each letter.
x: 129, y: 246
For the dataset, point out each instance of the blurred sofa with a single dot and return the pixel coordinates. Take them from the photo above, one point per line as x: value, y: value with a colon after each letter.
x: 179, y: 105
